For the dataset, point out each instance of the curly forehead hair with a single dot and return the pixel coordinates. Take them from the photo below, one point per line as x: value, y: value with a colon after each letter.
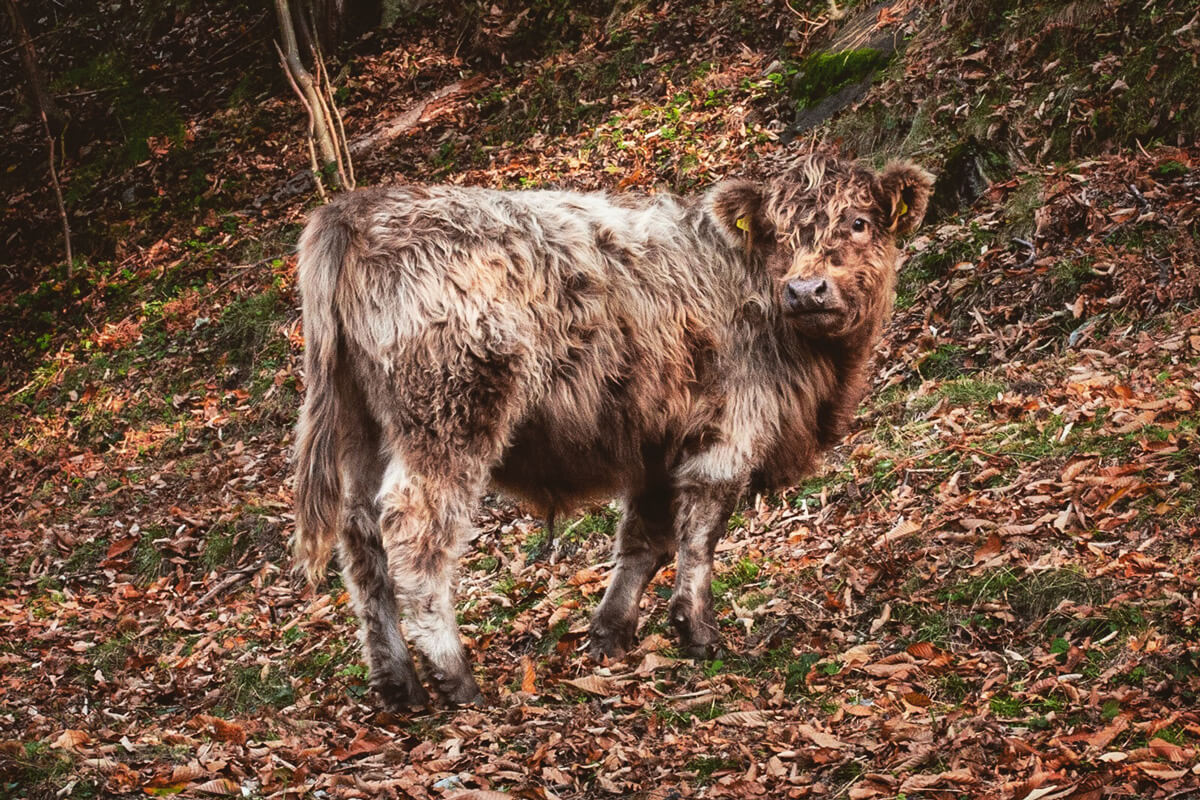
x: 817, y: 188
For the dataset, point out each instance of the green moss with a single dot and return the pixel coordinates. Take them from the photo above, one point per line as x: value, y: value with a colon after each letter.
x: 927, y: 623
x: 1021, y: 205
x: 823, y: 74
x: 741, y: 573
x: 1169, y: 169
x: 1031, y: 595
x: 40, y: 770
x: 110, y: 655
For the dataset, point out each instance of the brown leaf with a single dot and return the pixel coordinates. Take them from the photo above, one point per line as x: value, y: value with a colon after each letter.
x: 924, y: 650
x: 1170, y: 751
x: 1075, y: 469
x: 652, y: 662
x: 70, y: 739
x: 903, y: 528
x: 895, y: 671
x: 743, y: 719
x: 528, y: 675
x: 1160, y: 771
x: 593, y: 684
x: 916, y: 783
x: 820, y: 738
x: 222, y: 786
x: 120, y: 546
x: 222, y: 729
x: 991, y: 547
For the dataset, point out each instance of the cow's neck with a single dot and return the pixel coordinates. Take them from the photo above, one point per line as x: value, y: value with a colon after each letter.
x: 837, y: 400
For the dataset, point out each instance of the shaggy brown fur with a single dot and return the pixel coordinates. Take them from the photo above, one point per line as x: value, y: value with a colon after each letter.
x: 676, y: 352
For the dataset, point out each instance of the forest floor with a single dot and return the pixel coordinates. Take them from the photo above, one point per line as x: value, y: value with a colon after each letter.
x: 989, y: 590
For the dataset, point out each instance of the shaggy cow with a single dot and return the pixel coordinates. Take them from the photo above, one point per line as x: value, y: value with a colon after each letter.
x: 676, y: 352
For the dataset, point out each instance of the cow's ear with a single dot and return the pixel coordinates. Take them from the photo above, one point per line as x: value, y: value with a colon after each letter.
x: 906, y: 190
x: 738, y: 208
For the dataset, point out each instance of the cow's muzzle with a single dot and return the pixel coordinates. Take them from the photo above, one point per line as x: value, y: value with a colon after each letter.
x: 815, y: 306
x: 817, y: 297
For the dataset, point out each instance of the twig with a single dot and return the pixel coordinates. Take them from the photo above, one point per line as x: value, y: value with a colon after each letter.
x: 235, y: 579
x: 1032, y: 252
x: 312, y: 124
x: 343, y: 143
x: 62, y: 208
x: 329, y: 110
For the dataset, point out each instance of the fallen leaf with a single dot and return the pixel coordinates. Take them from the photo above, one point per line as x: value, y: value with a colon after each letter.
x: 743, y: 719
x: 222, y: 786
x: 528, y: 675
x: 820, y: 738
x: 70, y: 739
x: 592, y: 684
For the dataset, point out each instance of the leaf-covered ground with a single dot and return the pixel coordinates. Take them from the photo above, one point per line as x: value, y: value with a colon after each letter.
x: 990, y: 590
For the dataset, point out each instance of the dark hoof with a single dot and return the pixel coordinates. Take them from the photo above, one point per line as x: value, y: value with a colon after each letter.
x: 460, y: 691
x: 698, y: 638
x: 611, y: 641
x: 402, y: 697
x: 704, y: 652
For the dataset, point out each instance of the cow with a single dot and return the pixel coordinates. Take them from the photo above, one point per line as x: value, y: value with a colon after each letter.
x: 559, y: 346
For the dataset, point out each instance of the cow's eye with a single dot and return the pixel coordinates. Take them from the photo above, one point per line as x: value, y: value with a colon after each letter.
x: 859, y: 225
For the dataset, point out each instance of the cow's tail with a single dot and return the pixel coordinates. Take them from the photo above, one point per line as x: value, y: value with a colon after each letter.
x: 323, y: 248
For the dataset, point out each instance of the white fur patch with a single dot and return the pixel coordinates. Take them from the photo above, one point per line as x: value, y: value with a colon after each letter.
x: 395, y: 477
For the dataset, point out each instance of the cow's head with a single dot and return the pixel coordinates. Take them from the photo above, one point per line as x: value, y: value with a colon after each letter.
x: 826, y: 231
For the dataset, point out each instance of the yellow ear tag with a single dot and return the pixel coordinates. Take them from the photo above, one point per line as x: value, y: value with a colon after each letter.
x: 743, y: 223
x: 903, y: 208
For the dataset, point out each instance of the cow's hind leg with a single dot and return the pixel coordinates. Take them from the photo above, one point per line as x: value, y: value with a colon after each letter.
x: 643, y: 545
x: 425, y: 521
x: 365, y: 570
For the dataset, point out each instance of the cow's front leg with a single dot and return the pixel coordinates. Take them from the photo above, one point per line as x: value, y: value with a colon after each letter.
x: 644, y: 543
x: 701, y: 517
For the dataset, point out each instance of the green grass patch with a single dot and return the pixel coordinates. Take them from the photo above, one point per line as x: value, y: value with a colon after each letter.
x: 86, y: 556
x: 1031, y: 595
x: 705, y: 767
x: 738, y: 575
x: 248, y: 330
x: 249, y: 688
x: 969, y: 391
x: 111, y: 655
x: 946, y: 361
x: 219, y: 546
x: 46, y: 770
x: 147, y: 558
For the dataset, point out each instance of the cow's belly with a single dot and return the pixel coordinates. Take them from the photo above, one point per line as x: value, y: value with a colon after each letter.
x: 558, y: 471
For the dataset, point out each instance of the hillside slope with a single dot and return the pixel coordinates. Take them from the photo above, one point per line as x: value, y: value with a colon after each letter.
x: 990, y: 590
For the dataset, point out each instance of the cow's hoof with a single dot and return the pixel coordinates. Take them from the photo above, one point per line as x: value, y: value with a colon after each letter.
x: 703, y: 652
x: 611, y: 640
x: 698, y: 637
x: 459, y: 692
x: 402, y: 697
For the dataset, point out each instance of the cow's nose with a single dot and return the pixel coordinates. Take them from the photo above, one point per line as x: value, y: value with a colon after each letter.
x: 808, y: 295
